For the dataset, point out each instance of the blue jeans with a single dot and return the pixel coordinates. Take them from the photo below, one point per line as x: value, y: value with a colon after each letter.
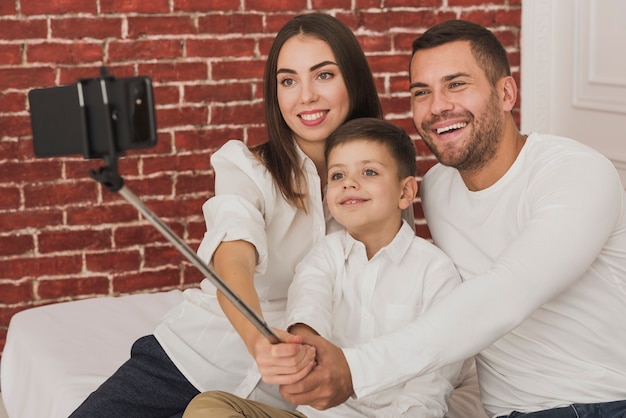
x: 147, y: 385
x: 615, y: 409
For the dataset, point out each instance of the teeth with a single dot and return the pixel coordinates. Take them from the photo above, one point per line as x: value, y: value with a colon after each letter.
x: 312, y: 116
x: 451, y: 127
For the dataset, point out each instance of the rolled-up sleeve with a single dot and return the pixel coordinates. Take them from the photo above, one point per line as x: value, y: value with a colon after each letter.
x: 237, y: 211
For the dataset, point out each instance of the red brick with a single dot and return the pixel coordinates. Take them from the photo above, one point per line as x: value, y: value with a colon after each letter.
x: 193, y: 184
x: 196, y: 229
x: 16, y: 245
x: 7, y: 8
x: 191, y: 275
x: 237, y: 114
x: 134, y: 6
x: 73, y: 53
x: 9, y: 198
x: 409, y: 19
x: 31, y: 172
x: 16, y: 148
x: 331, y: 4
x: 129, y: 236
x: 62, y: 193
x: 230, y: 23
x: 24, y: 219
x: 172, y: 210
x: 274, y: 6
x: 421, y: 230
x: 11, y: 54
x: 162, y: 255
x: 23, y: 29
x: 256, y: 135
x: 115, y: 261
x: 238, y: 69
x: 184, y: 71
x: 222, y: 48
x: 71, y: 74
x: 372, y: 43
x: 221, y: 93
x: 193, y: 162
x: 58, y: 265
x: 58, y: 288
x: 79, y: 28
x: 14, y: 126
x: 388, y: 63
x: 206, y: 6
x: 102, y: 214
x: 56, y: 7
x: 146, y: 280
x: 74, y: 240
x: 160, y: 25
x: 492, y: 18
x: 205, y: 139
x: 482, y: 3
x: 144, y: 50
x: 11, y: 102
x: 11, y: 293
x: 424, y: 165
x: 184, y: 115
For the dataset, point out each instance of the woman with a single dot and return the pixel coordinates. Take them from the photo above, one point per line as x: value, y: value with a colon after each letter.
x: 267, y: 212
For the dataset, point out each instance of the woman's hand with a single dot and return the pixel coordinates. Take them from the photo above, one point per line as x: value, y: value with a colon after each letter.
x: 286, y: 362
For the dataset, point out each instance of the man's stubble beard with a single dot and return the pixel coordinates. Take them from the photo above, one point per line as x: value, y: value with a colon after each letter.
x: 483, y: 142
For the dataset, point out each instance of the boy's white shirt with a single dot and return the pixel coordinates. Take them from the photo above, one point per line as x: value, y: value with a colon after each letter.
x: 350, y: 300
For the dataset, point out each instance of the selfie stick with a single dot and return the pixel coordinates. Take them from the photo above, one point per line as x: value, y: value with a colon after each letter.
x: 109, y: 177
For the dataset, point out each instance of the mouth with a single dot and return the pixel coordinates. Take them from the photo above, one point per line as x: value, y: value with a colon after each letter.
x: 313, y: 118
x: 352, y: 201
x: 450, y: 128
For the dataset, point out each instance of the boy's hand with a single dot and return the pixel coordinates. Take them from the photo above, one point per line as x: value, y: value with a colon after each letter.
x: 286, y: 362
x: 328, y: 384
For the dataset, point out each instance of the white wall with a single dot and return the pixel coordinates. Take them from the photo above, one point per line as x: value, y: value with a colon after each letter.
x: 573, y: 72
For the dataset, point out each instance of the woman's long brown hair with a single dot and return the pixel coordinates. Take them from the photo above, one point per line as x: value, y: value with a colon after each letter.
x: 279, y: 152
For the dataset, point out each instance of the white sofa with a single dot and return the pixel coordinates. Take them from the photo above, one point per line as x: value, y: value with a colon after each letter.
x: 56, y: 355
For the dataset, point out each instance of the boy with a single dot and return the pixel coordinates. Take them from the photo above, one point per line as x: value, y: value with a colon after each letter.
x: 367, y: 281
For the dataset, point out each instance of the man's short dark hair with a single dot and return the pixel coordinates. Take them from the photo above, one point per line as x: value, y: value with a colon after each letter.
x: 486, y: 48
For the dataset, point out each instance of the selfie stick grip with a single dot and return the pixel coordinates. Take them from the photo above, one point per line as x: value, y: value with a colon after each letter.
x: 191, y: 255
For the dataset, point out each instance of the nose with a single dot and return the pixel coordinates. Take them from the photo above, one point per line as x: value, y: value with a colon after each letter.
x: 440, y: 103
x: 308, y: 92
x: 349, y: 182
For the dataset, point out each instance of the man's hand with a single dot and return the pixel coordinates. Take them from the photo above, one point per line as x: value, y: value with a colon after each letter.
x: 286, y: 362
x: 328, y: 384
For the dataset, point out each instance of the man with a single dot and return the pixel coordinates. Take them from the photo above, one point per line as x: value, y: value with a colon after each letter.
x: 536, y: 226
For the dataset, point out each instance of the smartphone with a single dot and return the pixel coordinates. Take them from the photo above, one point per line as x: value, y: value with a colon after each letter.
x: 94, y: 117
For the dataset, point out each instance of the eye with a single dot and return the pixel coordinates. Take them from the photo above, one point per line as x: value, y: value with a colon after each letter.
x: 420, y: 94
x: 368, y: 172
x: 325, y: 75
x: 287, y: 82
x: 456, y: 84
x: 336, y: 176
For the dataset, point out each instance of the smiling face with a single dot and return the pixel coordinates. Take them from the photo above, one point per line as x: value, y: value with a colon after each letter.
x: 312, y: 95
x: 365, y: 193
x: 456, y: 110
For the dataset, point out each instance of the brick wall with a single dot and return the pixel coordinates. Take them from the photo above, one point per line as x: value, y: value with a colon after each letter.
x: 64, y: 237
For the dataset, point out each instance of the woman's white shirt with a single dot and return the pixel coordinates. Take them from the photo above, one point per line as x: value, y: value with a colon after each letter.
x: 248, y: 206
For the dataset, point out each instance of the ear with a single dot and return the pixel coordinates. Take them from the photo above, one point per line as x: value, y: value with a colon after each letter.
x: 508, y: 89
x: 409, y: 191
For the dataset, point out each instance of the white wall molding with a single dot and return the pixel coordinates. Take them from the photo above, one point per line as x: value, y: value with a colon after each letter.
x: 599, y: 74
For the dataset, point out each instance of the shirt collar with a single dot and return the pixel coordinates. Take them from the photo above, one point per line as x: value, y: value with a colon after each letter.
x: 395, y: 250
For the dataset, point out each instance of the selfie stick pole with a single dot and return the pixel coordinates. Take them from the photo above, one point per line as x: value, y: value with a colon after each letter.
x: 109, y: 177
